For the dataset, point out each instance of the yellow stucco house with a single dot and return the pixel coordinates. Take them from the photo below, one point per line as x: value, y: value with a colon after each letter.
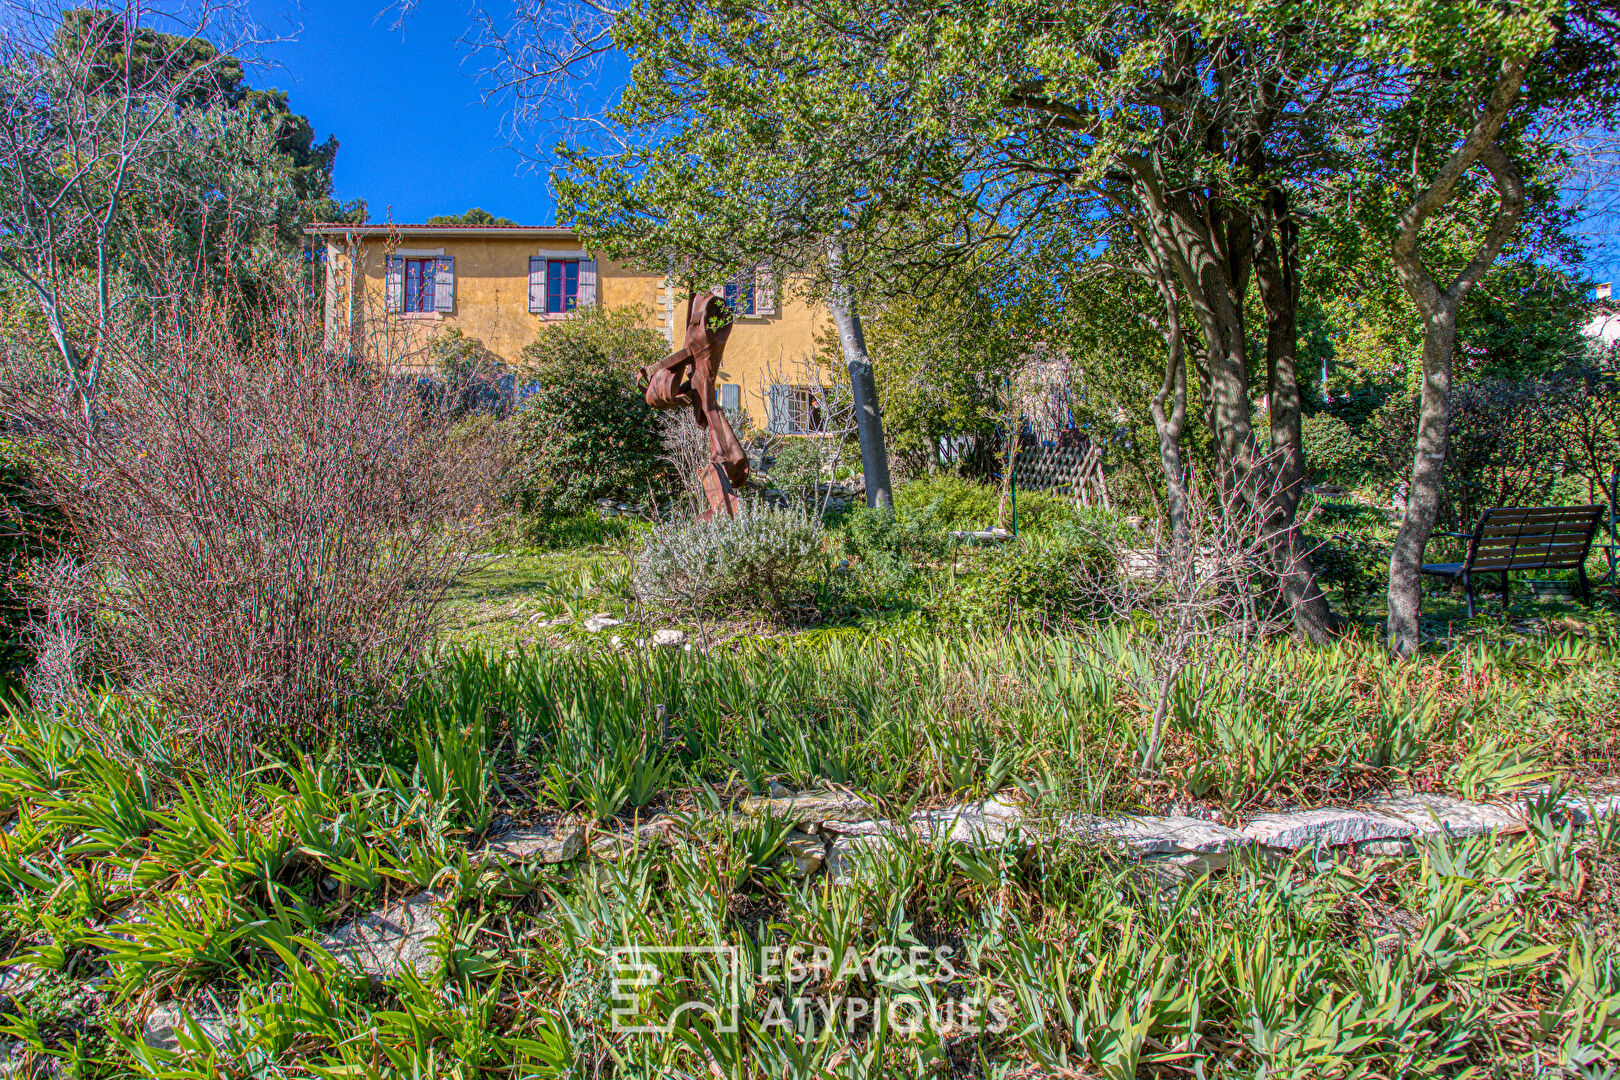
x: 506, y: 284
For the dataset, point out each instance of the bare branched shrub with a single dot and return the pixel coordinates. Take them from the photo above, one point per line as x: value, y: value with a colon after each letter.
x: 58, y: 639
x: 1189, y: 599
x: 269, y: 527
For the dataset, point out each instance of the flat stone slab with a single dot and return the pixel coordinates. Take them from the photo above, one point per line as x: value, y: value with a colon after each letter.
x: 597, y: 623
x: 1443, y: 815
x: 1584, y: 809
x: 551, y: 843
x: 617, y: 845
x: 382, y: 944
x: 1149, y: 835
x: 1324, y: 827
x: 988, y: 820
x: 809, y: 807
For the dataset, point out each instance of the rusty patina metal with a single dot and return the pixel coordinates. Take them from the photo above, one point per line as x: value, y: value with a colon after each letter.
x: 686, y: 378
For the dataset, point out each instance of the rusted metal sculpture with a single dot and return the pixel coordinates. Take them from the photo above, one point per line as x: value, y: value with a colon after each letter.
x: 687, y: 378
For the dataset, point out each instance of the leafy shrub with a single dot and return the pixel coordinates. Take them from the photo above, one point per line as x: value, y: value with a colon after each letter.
x: 1350, y: 550
x: 586, y: 432
x: 760, y: 559
x: 1504, y: 447
x: 956, y: 503
x: 887, y: 547
x: 1045, y: 578
x: 1332, y: 448
x: 467, y: 373
x: 798, y: 468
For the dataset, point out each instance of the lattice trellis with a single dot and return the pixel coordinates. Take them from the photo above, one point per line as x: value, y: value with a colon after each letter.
x: 1070, y: 470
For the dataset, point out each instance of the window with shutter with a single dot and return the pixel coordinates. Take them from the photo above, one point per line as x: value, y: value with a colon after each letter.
x: 764, y: 291
x: 562, y: 286
x: 421, y: 285
x: 740, y: 295
x: 779, y: 409
x: 730, y: 396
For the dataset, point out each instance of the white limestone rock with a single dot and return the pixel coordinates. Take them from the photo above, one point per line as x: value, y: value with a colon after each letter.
x: 1442, y: 815
x: 846, y: 853
x: 382, y: 944
x: 1325, y: 827
x: 801, y: 855
x: 1193, y: 843
x: 597, y: 623
x: 544, y: 843
x: 625, y: 842
x: 669, y: 639
x: 809, y: 807
x: 1583, y: 809
x: 986, y: 821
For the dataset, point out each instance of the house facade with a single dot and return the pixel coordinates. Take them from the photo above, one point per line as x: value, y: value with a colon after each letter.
x: 507, y: 285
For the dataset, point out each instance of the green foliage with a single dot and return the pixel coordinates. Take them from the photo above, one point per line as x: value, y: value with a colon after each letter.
x: 1350, y: 547
x: 1046, y: 579
x: 585, y: 432
x: 125, y: 880
x: 756, y: 560
x: 959, y: 504
x: 797, y: 469
x: 1332, y: 448
x: 886, y: 547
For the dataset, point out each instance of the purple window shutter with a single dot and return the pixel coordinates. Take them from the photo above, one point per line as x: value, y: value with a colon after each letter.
x: 537, y: 284
x: 444, y: 284
x: 393, y: 291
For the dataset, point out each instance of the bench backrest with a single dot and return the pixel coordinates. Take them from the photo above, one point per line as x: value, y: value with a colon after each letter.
x: 1533, y: 537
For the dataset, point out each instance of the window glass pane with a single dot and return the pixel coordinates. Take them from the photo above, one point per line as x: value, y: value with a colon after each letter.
x: 570, y: 284
x: 413, y: 285
x: 554, y: 293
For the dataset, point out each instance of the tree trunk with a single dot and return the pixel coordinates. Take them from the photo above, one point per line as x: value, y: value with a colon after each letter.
x: 1277, y: 272
x: 868, y: 422
x: 1209, y: 248
x: 1438, y: 309
x: 1172, y: 422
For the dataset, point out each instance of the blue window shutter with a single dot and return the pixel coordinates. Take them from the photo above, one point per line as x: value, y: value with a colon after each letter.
x: 393, y: 283
x: 730, y: 396
x: 537, y: 284
x: 444, y: 284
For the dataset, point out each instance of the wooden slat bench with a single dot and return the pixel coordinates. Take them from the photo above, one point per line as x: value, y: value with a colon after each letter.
x: 1523, y: 538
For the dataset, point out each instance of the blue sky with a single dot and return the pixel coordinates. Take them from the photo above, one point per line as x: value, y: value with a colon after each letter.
x: 405, y: 108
